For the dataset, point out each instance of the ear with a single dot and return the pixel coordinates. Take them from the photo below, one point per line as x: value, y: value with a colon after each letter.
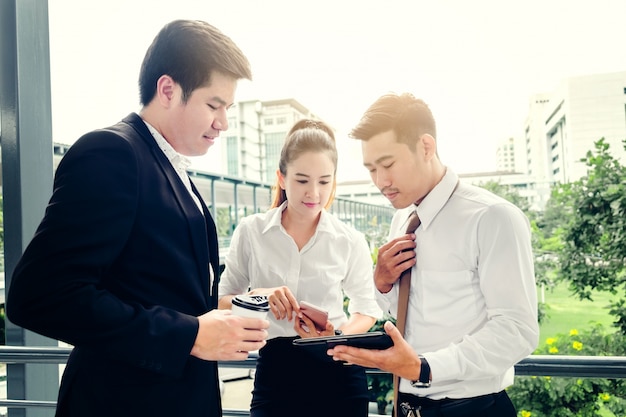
x: 281, y: 179
x: 429, y: 145
x: 166, y: 87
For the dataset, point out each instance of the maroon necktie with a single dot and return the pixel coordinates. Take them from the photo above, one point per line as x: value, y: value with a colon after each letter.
x: 405, y: 280
x: 403, y: 303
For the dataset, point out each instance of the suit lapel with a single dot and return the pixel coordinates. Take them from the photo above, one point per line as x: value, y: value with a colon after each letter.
x: 213, y: 249
x: 198, y: 226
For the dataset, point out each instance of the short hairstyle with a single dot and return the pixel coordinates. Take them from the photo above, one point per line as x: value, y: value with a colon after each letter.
x: 189, y: 51
x: 408, y: 117
x: 306, y: 135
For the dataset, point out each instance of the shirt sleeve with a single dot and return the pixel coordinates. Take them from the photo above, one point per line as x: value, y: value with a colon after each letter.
x: 388, y: 302
x: 359, y: 281
x: 507, y: 282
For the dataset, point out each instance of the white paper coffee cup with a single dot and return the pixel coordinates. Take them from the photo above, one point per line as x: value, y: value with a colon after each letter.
x: 255, y: 306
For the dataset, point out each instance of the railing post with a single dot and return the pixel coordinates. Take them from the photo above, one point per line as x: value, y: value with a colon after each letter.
x: 26, y: 128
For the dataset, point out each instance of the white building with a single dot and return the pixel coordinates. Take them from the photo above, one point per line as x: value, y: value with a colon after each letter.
x: 257, y: 131
x: 506, y: 159
x: 562, y: 126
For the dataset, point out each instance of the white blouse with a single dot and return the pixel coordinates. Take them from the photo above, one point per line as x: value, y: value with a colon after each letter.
x: 336, y: 260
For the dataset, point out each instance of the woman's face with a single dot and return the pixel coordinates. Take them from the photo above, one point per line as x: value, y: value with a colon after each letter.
x: 308, y: 183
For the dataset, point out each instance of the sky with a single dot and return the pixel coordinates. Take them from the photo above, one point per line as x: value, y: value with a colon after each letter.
x: 476, y: 63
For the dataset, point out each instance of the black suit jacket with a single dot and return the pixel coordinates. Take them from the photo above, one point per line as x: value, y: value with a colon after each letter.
x: 119, y: 268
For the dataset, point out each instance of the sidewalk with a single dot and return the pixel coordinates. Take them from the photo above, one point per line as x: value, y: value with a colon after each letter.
x: 237, y: 394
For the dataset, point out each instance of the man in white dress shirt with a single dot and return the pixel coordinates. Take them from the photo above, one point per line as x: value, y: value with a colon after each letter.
x: 472, y: 310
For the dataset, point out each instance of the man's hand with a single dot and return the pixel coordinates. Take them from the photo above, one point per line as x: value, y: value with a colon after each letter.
x: 223, y: 336
x: 394, y: 257
x: 400, y: 359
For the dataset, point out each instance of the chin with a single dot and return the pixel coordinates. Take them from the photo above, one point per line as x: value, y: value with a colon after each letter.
x: 398, y: 205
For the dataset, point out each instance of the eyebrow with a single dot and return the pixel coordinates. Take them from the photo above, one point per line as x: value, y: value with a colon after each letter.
x: 299, y: 174
x: 378, y: 161
x: 221, y: 101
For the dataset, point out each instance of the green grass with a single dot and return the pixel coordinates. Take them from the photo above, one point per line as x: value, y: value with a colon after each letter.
x: 566, y: 311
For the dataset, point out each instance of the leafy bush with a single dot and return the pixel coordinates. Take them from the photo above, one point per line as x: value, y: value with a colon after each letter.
x: 537, y: 396
x: 381, y: 385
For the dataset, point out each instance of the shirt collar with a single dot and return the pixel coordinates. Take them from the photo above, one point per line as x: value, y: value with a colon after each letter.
x: 436, y: 199
x: 178, y: 161
x: 275, y: 218
x: 324, y: 225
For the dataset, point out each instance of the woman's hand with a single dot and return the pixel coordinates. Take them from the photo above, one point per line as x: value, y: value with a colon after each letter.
x: 282, y: 302
x: 305, y: 327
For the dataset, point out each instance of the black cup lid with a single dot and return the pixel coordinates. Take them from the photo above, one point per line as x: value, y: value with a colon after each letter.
x: 252, y: 302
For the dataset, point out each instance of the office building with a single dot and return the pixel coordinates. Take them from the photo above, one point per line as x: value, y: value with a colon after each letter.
x: 509, y: 156
x: 563, y: 126
x: 257, y: 131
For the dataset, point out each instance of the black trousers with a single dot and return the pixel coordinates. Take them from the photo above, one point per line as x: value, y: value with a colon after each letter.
x: 490, y: 405
x: 293, y: 381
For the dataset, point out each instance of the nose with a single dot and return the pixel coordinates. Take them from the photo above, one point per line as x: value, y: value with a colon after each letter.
x: 221, y: 120
x: 312, y: 191
x: 380, y: 179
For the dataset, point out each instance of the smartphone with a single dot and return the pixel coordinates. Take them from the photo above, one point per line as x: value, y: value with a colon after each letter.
x: 369, y: 340
x: 316, y: 314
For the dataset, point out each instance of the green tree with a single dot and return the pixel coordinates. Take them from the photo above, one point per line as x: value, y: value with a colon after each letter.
x: 223, y: 222
x: 593, y: 254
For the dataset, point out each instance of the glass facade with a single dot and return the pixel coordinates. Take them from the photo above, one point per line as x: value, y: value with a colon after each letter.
x: 232, y: 155
x: 273, y: 145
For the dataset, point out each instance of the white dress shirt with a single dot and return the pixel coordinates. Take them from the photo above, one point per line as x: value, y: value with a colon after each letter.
x: 473, y: 303
x: 336, y: 258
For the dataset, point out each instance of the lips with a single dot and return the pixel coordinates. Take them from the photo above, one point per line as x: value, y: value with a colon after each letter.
x: 391, y: 196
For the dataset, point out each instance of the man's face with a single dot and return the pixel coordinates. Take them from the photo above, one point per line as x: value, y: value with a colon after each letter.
x: 401, y: 174
x: 195, y: 125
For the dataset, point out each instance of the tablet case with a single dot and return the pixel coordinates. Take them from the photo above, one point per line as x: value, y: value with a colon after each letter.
x: 369, y: 340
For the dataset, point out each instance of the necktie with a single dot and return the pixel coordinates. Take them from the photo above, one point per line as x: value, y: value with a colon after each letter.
x: 405, y: 280
x: 403, y: 303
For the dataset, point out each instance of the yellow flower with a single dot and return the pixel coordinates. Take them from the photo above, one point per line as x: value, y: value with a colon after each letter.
x: 550, y: 340
x: 577, y: 345
x: 526, y: 413
x: 605, y: 396
x: 573, y: 332
x: 554, y: 349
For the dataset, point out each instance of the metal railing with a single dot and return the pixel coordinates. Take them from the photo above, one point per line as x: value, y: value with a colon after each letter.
x: 610, y: 367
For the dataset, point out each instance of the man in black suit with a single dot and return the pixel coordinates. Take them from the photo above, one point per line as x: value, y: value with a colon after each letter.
x: 124, y: 264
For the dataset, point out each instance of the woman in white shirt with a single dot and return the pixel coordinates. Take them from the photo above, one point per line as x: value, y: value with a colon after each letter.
x: 296, y: 252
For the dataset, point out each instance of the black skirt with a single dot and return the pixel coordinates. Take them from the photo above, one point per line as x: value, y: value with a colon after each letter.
x: 291, y: 381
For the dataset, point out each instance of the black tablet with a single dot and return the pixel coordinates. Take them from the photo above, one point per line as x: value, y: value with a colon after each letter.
x: 370, y: 340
